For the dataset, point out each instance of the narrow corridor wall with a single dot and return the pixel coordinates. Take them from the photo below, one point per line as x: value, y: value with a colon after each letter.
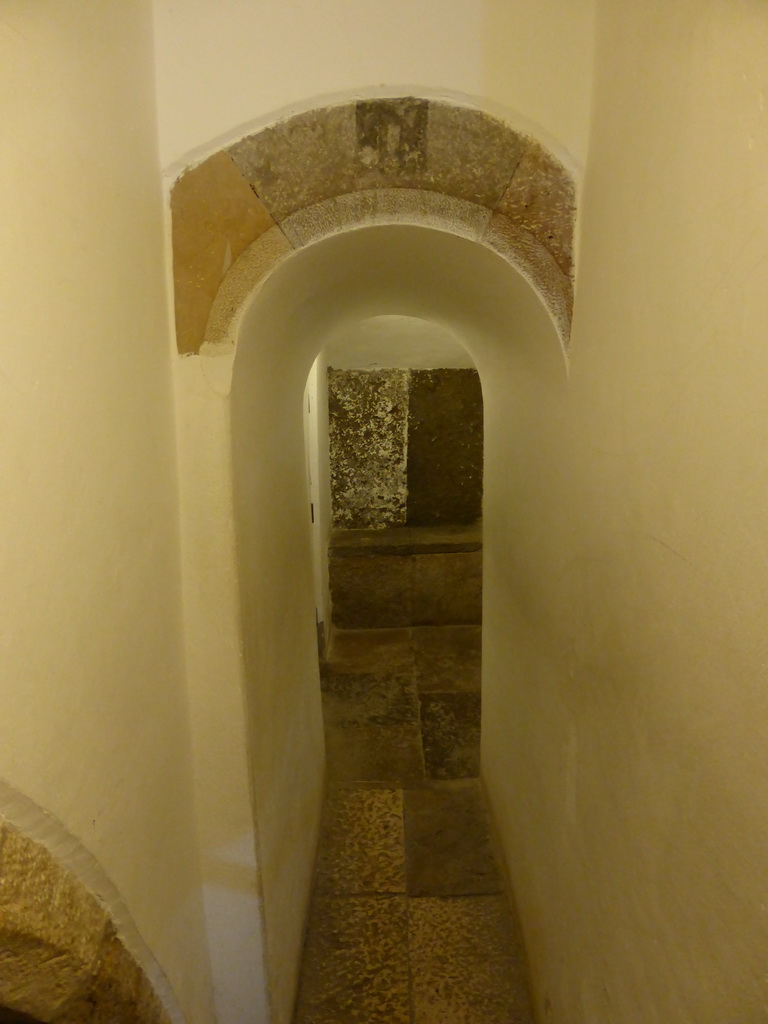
x: 93, y: 711
x: 636, y: 719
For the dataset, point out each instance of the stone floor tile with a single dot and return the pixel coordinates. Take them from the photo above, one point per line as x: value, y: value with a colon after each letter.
x: 369, y: 650
x: 361, y: 845
x: 356, y: 962
x: 447, y: 589
x: 450, y: 728
x: 448, y: 849
x: 447, y: 657
x: 465, y: 964
x: 371, y: 592
x: 374, y: 753
x: 369, y: 698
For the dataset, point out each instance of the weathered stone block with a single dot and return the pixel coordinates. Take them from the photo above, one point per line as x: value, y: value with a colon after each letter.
x: 541, y: 200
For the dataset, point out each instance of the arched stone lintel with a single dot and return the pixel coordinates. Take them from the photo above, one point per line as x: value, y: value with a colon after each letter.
x: 62, y: 960
x: 340, y: 167
x: 359, y: 210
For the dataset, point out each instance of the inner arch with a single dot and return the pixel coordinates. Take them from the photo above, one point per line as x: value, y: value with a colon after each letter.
x: 376, y: 271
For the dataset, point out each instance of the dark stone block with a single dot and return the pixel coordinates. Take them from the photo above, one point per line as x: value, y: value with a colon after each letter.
x: 450, y: 729
x: 447, y: 657
x: 445, y: 447
x: 447, y: 589
x: 391, y: 142
x: 448, y: 848
x: 370, y: 592
x: 374, y: 753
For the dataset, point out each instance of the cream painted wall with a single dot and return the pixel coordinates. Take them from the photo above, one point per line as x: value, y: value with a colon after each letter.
x: 223, y: 67
x: 633, y: 783
x: 93, y: 711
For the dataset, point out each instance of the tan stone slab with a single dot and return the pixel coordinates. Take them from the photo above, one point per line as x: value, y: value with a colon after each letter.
x: 541, y: 199
x: 448, y: 846
x: 356, y: 962
x: 537, y: 265
x: 472, y: 155
x: 447, y: 658
x: 51, y: 929
x: 369, y: 650
x: 374, y: 753
x: 450, y: 733
x: 466, y: 966
x: 361, y: 846
x: 447, y: 589
x: 300, y: 161
x: 215, y: 216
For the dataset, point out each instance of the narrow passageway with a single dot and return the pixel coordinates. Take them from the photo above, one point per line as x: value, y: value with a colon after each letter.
x: 409, y: 922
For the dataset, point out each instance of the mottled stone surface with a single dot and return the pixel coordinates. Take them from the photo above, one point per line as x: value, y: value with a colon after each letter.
x: 215, y: 216
x: 369, y: 698
x: 450, y: 729
x: 356, y: 962
x: 51, y: 929
x: 538, y: 265
x: 387, y: 206
x: 447, y: 589
x: 302, y: 160
x: 465, y: 966
x: 447, y: 658
x: 447, y: 841
x: 367, y: 650
x: 372, y: 592
x: 367, y: 426
x: 445, y: 447
x: 361, y: 846
x: 471, y: 154
x: 374, y: 753
x: 60, y: 959
x: 541, y: 199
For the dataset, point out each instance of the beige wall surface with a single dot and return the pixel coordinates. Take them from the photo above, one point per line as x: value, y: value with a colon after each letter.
x: 224, y: 66
x: 633, y: 790
x: 94, y: 720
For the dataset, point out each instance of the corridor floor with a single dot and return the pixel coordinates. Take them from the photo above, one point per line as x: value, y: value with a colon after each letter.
x: 409, y: 922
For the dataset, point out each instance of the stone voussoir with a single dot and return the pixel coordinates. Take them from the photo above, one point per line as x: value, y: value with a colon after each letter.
x: 541, y: 200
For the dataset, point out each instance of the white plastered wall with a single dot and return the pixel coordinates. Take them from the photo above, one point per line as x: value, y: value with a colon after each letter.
x: 226, y: 67
x: 628, y: 766
x: 94, y: 718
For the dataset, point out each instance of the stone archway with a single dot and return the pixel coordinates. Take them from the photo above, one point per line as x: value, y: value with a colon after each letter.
x: 61, y: 959
x: 383, y: 161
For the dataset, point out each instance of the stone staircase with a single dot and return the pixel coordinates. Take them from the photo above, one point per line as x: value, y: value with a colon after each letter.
x: 409, y: 921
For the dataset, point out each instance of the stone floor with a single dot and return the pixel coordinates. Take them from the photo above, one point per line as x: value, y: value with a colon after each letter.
x: 409, y: 922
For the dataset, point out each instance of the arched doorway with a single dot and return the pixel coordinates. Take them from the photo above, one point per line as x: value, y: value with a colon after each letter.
x: 266, y: 325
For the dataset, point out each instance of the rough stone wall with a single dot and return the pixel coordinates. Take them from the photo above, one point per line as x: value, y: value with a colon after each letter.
x: 445, y: 447
x: 367, y: 423
x: 406, y: 447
